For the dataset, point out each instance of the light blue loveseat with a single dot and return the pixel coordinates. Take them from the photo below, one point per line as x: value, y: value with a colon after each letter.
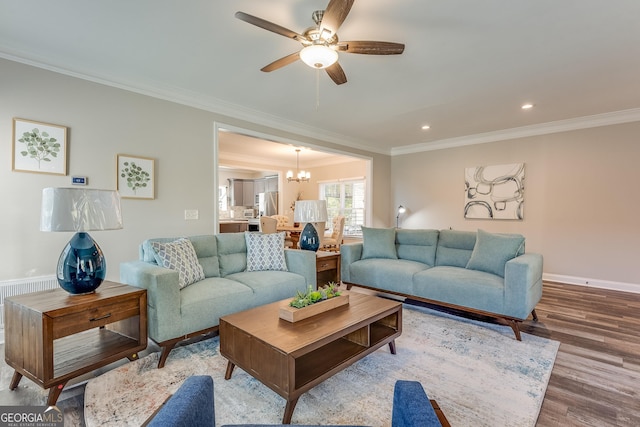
x: 175, y: 313
x: 482, y: 273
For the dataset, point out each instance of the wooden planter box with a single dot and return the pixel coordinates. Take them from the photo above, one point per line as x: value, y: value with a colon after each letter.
x: 292, y: 314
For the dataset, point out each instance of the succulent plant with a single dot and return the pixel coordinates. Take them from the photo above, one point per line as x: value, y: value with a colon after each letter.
x: 303, y: 299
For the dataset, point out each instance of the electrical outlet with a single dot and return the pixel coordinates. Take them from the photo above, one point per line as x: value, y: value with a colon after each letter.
x: 190, y: 214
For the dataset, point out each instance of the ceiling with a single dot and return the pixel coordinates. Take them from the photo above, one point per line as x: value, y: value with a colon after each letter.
x: 467, y: 67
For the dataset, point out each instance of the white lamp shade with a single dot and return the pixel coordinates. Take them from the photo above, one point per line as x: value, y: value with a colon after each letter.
x: 310, y: 211
x: 318, y: 56
x: 79, y: 209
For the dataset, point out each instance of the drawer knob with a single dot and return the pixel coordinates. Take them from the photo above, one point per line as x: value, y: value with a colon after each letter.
x: 94, y: 319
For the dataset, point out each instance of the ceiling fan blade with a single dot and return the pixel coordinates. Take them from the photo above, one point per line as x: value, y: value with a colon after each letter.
x: 334, y: 15
x: 336, y: 73
x: 269, y: 26
x: 279, y: 63
x: 371, y: 47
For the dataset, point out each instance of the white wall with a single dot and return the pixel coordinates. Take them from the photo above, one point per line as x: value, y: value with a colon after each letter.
x: 581, y: 198
x: 103, y: 122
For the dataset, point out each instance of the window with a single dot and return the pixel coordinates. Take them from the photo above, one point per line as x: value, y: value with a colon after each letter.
x: 222, y: 198
x: 345, y: 197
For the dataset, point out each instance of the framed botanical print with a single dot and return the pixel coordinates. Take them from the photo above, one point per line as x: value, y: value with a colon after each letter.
x: 39, y: 147
x: 135, y: 178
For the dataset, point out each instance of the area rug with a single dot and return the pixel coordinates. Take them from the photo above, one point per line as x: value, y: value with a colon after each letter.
x: 478, y: 372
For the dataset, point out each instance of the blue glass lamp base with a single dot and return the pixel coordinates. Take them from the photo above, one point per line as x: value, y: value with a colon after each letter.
x: 309, y: 239
x: 81, y: 266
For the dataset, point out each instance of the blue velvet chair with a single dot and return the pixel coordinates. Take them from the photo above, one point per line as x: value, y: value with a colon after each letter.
x: 193, y: 406
x: 411, y: 406
x: 190, y: 406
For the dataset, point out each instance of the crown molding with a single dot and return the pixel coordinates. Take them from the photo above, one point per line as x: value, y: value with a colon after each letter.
x: 196, y: 100
x: 586, y: 122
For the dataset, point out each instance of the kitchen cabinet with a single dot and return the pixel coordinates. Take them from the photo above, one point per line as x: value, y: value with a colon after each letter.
x: 271, y: 183
x: 248, y: 196
x: 233, y: 226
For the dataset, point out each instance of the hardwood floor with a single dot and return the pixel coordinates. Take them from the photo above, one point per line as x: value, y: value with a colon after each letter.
x: 596, y: 377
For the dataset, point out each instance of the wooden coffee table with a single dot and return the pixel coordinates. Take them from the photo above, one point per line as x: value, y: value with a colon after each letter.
x: 292, y: 358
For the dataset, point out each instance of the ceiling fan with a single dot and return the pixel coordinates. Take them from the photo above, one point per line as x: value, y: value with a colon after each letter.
x: 320, y: 43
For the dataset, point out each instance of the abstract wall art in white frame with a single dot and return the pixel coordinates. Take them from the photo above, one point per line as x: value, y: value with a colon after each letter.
x: 494, y: 192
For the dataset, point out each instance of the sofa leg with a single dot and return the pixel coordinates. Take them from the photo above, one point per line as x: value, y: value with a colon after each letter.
x: 514, y: 326
x: 167, y: 346
x: 535, y: 315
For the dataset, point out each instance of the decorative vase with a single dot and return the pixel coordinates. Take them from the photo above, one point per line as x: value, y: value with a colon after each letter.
x: 81, y: 266
x: 309, y: 239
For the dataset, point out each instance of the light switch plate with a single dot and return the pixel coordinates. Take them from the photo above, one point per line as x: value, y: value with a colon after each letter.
x: 191, y: 214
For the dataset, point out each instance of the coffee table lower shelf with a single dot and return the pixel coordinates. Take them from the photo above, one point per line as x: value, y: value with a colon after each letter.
x: 293, y: 358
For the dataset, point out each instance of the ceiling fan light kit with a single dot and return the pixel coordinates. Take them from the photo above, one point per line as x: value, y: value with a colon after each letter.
x: 320, y: 43
x: 318, y: 56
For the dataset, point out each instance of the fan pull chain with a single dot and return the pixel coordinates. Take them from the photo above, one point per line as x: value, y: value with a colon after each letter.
x: 317, y: 89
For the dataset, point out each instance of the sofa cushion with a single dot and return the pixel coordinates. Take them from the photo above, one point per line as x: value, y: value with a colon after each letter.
x: 265, y: 251
x: 203, y: 303
x: 232, y: 253
x: 207, y: 250
x: 391, y: 274
x: 460, y: 286
x: 417, y: 245
x: 379, y: 243
x: 455, y: 247
x: 492, y: 251
x: 270, y: 286
x: 179, y: 255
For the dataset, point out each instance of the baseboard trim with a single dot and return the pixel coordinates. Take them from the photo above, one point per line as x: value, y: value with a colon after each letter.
x: 594, y: 283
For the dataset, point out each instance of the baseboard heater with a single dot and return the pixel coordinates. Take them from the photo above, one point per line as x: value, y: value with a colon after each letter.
x: 9, y: 288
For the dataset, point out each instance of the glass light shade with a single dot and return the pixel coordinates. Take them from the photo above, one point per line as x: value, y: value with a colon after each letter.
x: 289, y: 174
x: 318, y: 56
x: 81, y: 267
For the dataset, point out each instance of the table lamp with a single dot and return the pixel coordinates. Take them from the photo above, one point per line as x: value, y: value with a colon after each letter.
x: 81, y: 266
x: 310, y: 211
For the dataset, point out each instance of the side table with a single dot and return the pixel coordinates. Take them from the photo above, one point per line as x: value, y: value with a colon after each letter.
x: 53, y: 336
x: 327, y: 267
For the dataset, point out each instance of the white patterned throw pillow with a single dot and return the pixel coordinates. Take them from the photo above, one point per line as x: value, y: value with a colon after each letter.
x: 265, y: 251
x: 180, y: 255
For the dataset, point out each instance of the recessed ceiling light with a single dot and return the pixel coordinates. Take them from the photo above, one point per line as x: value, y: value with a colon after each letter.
x: 527, y: 106
x: 425, y: 127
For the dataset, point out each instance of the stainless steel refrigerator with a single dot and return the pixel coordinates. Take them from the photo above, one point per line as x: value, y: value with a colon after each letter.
x: 268, y: 203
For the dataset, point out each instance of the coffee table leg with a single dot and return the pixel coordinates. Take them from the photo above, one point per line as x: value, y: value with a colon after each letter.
x: 392, y: 347
x: 230, y: 367
x: 288, y: 411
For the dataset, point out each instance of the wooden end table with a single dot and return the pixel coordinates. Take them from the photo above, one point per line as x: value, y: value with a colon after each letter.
x: 292, y: 358
x: 327, y: 268
x: 53, y: 336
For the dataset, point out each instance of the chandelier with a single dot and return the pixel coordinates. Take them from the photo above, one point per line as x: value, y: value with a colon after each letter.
x: 301, y: 175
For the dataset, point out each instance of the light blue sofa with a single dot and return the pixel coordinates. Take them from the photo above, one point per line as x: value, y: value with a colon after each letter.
x: 175, y: 314
x: 193, y: 406
x: 478, y: 272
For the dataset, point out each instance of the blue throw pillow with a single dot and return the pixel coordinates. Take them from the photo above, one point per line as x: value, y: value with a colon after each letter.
x: 265, y: 251
x: 379, y: 243
x: 492, y: 251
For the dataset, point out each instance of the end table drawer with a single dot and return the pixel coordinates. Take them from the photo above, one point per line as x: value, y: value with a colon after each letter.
x: 326, y: 264
x: 96, y: 317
